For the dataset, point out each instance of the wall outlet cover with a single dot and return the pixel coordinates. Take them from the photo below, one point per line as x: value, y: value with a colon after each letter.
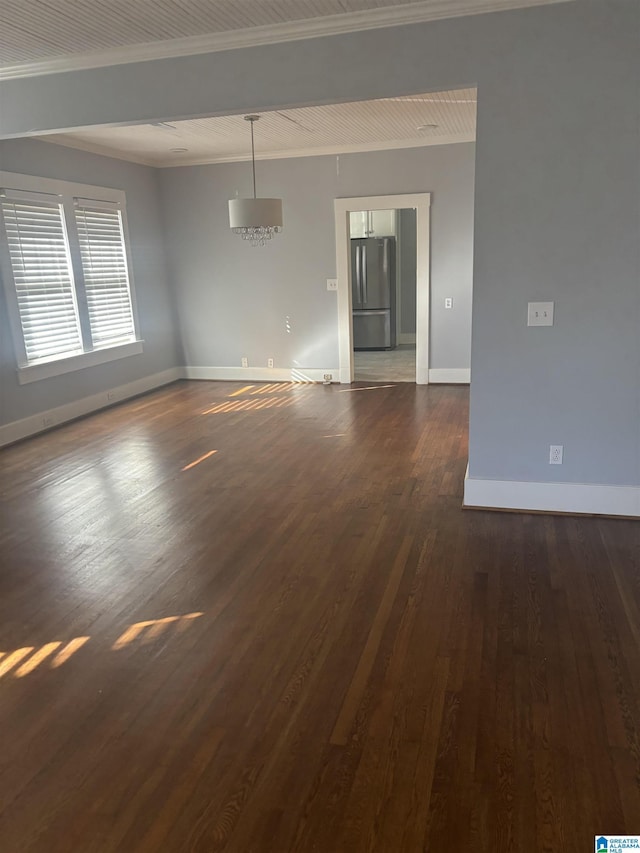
x: 555, y: 454
x: 540, y: 314
x: 332, y: 284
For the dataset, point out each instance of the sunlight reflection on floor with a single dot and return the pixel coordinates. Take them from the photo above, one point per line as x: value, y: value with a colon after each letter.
x: 27, y: 659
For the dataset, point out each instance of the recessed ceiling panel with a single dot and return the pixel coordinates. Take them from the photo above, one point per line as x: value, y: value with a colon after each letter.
x: 414, y: 120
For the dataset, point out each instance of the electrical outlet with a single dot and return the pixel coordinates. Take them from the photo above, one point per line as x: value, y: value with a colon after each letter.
x: 245, y: 362
x: 555, y: 454
x: 269, y: 362
x: 448, y: 302
x: 328, y: 377
x: 48, y: 421
x: 111, y: 395
x: 332, y: 284
x: 540, y: 314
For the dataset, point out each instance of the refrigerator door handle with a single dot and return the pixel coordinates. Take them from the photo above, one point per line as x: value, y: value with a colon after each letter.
x: 365, y: 295
x: 358, y: 287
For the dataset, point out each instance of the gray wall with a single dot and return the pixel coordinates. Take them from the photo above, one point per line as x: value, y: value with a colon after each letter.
x: 234, y: 301
x: 155, y: 307
x: 556, y: 213
x: 558, y: 218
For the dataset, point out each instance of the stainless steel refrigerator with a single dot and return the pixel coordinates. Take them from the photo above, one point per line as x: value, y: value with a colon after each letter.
x: 373, y: 292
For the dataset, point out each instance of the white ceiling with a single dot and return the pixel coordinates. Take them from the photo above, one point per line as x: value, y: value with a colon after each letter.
x: 34, y: 29
x: 44, y: 36
x: 331, y: 129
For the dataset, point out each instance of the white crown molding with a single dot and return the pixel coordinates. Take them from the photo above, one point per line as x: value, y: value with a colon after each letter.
x: 102, y: 150
x: 320, y: 151
x: 331, y: 150
x: 330, y: 25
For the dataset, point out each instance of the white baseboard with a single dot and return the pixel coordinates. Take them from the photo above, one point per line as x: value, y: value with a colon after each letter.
x: 450, y: 375
x: 262, y: 374
x: 578, y: 498
x: 458, y: 376
x: 61, y: 414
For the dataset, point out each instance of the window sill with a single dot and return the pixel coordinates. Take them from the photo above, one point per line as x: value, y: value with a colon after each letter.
x: 47, y: 369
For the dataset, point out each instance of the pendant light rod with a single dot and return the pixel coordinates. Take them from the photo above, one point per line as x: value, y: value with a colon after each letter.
x: 252, y: 120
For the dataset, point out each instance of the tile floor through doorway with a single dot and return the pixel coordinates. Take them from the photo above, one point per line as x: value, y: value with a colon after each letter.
x: 398, y: 365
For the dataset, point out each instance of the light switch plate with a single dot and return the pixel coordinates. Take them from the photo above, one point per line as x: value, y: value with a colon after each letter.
x: 332, y: 284
x: 540, y: 314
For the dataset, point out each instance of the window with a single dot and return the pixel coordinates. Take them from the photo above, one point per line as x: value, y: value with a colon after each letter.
x: 67, y: 275
x: 42, y: 277
x: 104, y: 267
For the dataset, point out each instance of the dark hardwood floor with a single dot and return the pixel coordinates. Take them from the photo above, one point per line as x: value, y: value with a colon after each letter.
x: 300, y: 642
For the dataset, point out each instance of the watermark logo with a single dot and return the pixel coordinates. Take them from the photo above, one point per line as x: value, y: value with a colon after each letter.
x: 617, y: 843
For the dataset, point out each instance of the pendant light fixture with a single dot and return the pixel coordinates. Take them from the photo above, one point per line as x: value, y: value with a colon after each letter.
x: 255, y: 219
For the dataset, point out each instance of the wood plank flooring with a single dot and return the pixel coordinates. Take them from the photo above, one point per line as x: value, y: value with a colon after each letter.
x: 300, y: 642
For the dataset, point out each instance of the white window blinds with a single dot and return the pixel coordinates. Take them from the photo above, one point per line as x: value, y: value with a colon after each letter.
x: 104, y: 266
x: 43, y: 276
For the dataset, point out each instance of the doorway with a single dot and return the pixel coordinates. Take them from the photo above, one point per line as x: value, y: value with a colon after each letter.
x: 396, y: 360
x: 383, y: 295
x: 396, y: 365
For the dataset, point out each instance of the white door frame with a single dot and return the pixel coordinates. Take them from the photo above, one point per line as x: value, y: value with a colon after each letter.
x: 343, y: 206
